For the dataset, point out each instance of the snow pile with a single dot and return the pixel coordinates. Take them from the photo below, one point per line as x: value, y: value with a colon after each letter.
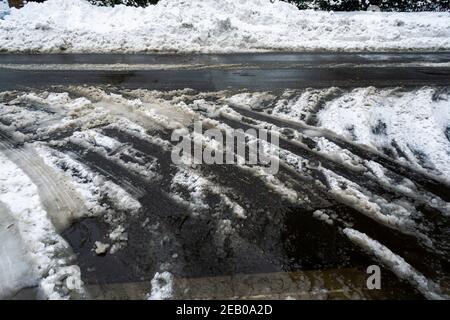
x: 215, y: 26
x: 48, y: 252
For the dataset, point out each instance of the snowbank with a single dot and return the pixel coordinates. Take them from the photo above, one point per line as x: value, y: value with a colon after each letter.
x: 215, y: 26
x: 48, y: 253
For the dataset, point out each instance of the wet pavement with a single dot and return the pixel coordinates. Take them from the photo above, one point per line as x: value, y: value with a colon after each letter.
x: 261, y: 71
x: 189, y: 221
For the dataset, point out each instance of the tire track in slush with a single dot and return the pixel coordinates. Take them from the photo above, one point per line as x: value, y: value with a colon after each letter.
x: 61, y: 201
x: 278, y: 234
x: 267, y: 212
x: 427, y: 181
x: 266, y: 200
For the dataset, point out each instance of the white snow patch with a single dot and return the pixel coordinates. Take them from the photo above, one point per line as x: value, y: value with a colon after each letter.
x: 319, y: 214
x: 161, y: 286
x: 97, y: 139
x: 15, y: 265
x: 236, y: 209
x: 101, y: 248
x: 373, y: 206
x: 416, y: 121
x: 196, y: 185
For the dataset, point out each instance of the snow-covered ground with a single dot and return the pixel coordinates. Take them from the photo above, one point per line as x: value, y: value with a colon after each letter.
x: 110, y: 150
x: 33, y: 254
x: 215, y: 26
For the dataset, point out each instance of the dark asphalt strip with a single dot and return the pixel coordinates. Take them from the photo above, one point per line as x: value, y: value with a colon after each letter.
x: 222, y: 79
x: 254, y: 71
x: 261, y: 58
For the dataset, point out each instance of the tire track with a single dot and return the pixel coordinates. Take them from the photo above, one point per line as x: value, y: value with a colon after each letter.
x: 256, y: 192
x: 61, y: 201
x: 429, y: 182
x: 279, y: 233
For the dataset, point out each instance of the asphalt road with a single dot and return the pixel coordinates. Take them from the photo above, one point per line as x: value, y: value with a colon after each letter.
x: 254, y: 71
x: 192, y: 228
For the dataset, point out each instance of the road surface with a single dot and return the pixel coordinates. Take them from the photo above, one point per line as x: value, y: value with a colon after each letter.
x: 99, y: 152
x: 262, y: 71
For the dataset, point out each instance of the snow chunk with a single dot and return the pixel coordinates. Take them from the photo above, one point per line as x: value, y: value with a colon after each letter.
x: 319, y: 214
x: 101, y: 248
x: 162, y: 286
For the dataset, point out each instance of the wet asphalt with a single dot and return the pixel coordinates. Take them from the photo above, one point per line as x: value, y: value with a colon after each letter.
x: 211, y: 72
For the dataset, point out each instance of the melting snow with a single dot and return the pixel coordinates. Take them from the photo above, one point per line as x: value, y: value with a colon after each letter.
x: 48, y: 252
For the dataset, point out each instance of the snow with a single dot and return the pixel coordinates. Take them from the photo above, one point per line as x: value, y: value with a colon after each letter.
x: 215, y: 26
x: 48, y: 252
x: 94, y: 188
x: 319, y: 214
x: 91, y: 186
x: 101, y: 248
x: 196, y: 185
x: 118, y: 234
x: 393, y: 213
x: 4, y: 8
x: 15, y: 271
x: 303, y: 104
x: 237, y: 210
x: 366, y: 109
x: 395, y: 263
x: 97, y: 139
x: 63, y: 279
x: 161, y: 286
x: 413, y: 124
x: 92, y: 140
x: 415, y: 121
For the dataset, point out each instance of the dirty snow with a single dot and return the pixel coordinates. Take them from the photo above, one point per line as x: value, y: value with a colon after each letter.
x: 15, y: 271
x: 48, y: 252
x: 396, y: 264
x: 215, y: 26
x: 416, y: 122
x: 379, y: 116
